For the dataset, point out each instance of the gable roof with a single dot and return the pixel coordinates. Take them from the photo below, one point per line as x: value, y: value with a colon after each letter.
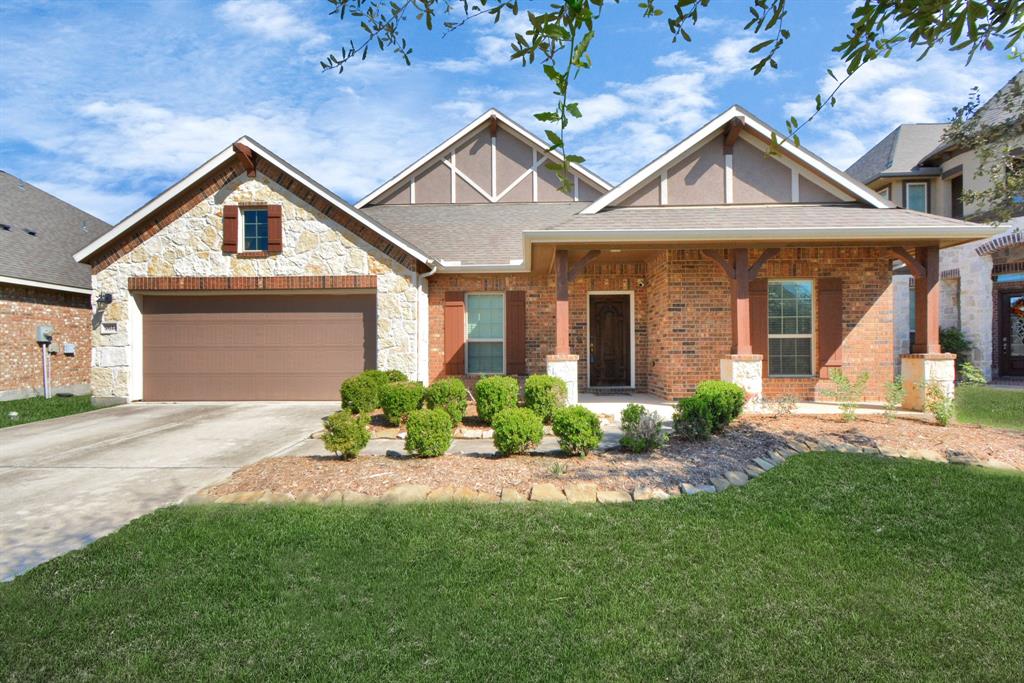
x: 167, y: 196
x: 40, y: 235
x: 709, y: 130
x: 464, y: 133
x: 899, y: 153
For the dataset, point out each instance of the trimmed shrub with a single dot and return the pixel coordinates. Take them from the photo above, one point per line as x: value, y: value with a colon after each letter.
x: 345, y: 434
x: 693, y: 418
x: 495, y: 394
x: 398, y: 399
x: 968, y: 373
x: 450, y: 396
x: 641, y: 429
x: 847, y: 393
x: 727, y: 400
x: 428, y: 432
x: 396, y: 376
x: 517, y: 430
x: 361, y: 394
x: 544, y: 395
x: 578, y: 430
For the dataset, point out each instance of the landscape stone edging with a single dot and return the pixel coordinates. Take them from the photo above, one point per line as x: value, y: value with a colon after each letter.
x: 577, y: 493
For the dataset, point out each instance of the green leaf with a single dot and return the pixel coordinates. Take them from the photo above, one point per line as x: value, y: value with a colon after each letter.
x: 574, y: 109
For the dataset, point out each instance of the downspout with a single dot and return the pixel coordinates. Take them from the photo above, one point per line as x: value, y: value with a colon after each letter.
x: 421, y: 279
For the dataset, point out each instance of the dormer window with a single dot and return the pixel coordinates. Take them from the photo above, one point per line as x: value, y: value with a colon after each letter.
x: 255, y: 233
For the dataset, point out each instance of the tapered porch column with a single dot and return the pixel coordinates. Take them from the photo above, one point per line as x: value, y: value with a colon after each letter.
x: 926, y: 367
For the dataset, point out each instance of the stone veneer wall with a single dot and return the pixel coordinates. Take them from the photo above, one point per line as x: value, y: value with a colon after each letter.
x: 192, y: 246
x: 683, y: 316
x: 540, y: 313
x: 21, y: 310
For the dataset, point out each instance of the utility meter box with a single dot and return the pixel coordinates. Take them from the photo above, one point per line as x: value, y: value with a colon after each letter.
x: 44, y: 334
x: 69, y: 349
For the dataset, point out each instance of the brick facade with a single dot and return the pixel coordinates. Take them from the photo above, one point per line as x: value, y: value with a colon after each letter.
x: 683, y: 315
x: 21, y: 310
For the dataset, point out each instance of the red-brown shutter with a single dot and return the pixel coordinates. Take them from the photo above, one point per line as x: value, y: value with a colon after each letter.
x: 454, y: 333
x: 759, y: 321
x: 830, y: 324
x: 230, y: 229
x: 274, y: 228
x: 515, y: 332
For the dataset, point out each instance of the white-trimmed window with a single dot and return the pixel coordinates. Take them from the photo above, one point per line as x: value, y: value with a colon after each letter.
x: 485, y: 334
x: 916, y: 196
x: 254, y: 231
x: 886, y: 193
x: 790, y: 328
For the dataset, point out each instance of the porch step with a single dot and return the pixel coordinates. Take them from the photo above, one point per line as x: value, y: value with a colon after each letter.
x: 599, y: 391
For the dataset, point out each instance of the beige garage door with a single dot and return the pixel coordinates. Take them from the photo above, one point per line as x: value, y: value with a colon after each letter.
x: 249, y: 347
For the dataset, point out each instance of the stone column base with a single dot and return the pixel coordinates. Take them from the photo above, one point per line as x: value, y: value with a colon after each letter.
x: 744, y: 370
x: 922, y: 369
x: 567, y: 368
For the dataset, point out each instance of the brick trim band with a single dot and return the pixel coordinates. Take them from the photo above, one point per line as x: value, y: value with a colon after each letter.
x: 1000, y: 242
x: 183, y: 284
x: 1015, y: 267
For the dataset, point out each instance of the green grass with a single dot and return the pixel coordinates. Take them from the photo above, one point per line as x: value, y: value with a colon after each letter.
x: 832, y: 567
x: 979, y: 404
x: 39, y: 408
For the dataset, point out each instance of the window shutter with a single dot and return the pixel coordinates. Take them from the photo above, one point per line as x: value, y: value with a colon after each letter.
x: 230, y: 229
x: 515, y: 333
x: 759, y: 321
x: 830, y: 324
x: 454, y: 333
x: 274, y: 243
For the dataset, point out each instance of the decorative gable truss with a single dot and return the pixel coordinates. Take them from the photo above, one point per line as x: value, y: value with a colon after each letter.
x: 728, y: 162
x: 491, y: 160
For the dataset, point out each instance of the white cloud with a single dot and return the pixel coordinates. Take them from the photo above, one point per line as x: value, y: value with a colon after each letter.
x: 883, y: 94
x: 269, y: 20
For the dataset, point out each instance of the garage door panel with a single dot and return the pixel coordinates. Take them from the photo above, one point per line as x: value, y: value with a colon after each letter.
x: 255, y: 347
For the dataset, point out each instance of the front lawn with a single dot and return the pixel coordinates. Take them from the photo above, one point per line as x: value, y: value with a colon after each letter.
x: 831, y: 567
x: 979, y: 404
x: 39, y: 408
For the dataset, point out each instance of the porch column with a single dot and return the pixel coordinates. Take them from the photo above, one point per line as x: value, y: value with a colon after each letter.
x: 741, y: 303
x: 563, y: 363
x: 926, y: 367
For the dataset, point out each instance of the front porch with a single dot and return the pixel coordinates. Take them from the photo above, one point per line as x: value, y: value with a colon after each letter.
x: 659, y: 319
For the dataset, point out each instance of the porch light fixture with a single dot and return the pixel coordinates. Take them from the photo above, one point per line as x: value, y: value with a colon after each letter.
x: 105, y: 298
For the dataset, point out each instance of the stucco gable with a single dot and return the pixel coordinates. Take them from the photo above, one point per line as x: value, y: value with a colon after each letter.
x: 491, y: 160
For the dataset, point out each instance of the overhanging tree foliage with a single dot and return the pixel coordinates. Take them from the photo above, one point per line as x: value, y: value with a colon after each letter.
x: 995, y: 133
x: 560, y: 36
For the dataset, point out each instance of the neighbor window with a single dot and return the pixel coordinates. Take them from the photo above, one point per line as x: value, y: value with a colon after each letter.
x: 254, y: 229
x: 485, y: 334
x: 956, y: 193
x: 917, y: 196
x: 790, y: 327
x: 884, y: 193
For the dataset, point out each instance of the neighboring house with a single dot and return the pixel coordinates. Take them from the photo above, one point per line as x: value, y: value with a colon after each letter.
x: 982, y: 282
x: 42, y: 284
x: 250, y: 280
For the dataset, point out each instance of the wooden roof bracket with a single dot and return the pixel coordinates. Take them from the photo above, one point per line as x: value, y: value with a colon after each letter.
x: 732, y: 133
x: 917, y: 269
x: 248, y: 158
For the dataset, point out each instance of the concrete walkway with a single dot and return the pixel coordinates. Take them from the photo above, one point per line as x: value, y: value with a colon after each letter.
x: 69, y: 481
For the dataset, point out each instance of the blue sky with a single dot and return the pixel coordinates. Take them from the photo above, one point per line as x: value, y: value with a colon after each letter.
x: 105, y: 104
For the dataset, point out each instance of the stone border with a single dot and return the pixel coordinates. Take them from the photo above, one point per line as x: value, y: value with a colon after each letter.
x: 551, y: 492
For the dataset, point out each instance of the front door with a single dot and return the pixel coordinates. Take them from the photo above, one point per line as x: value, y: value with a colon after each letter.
x: 609, y: 340
x: 1011, y: 333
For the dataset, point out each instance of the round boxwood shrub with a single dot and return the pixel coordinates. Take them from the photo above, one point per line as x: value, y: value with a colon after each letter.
x: 494, y: 394
x: 361, y: 394
x: 345, y: 434
x: 450, y: 396
x: 428, y: 432
x: 578, y: 430
x: 544, y: 395
x: 693, y: 418
x: 398, y: 399
x: 395, y: 376
x: 726, y: 400
x: 517, y: 430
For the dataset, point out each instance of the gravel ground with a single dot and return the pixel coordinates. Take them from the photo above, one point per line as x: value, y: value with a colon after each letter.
x: 695, y: 462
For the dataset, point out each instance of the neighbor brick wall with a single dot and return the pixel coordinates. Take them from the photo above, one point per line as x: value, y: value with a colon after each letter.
x: 683, y: 316
x: 21, y: 310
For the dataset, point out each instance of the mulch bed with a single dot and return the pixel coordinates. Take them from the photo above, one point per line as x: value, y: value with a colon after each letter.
x: 678, y: 462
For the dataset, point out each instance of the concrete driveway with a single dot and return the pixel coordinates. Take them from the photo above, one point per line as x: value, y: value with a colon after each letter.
x: 68, y: 481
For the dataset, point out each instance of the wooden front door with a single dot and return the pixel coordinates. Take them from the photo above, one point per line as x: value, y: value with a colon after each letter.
x: 610, y: 332
x: 1011, y: 333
